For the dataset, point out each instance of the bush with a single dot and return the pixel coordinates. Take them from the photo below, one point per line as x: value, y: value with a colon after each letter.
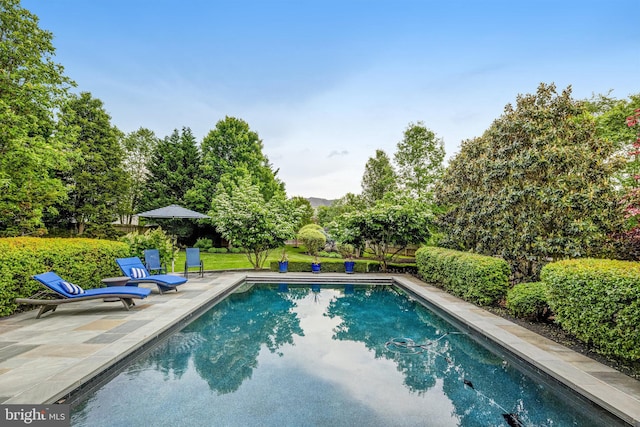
x: 203, y: 244
x: 217, y: 250
x: 598, y: 301
x: 80, y: 261
x: 235, y: 250
x: 150, y: 239
x: 479, y: 279
x: 312, y: 236
x: 529, y: 301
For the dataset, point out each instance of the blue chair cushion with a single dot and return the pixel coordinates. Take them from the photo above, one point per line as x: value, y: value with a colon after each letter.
x: 71, y: 288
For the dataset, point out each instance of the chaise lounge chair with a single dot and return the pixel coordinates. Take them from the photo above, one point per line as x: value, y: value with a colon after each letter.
x: 62, y: 292
x: 135, y: 269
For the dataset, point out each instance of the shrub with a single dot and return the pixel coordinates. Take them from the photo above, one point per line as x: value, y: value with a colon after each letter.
x: 313, y: 238
x: 203, y: 243
x: 528, y: 301
x: 235, y: 250
x: 598, y: 301
x: 81, y: 261
x: 150, y: 239
x: 479, y: 279
x: 217, y: 250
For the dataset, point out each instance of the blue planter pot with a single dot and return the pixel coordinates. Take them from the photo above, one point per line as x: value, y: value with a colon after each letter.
x: 348, y: 266
x: 315, y: 268
x: 283, y: 266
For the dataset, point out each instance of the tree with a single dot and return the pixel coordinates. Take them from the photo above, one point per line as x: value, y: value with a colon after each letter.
x: 225, y: 149
x: 96, y: 174
x: 535, y: 186
x: 387, y: 227
x: 305, y: 209
x: 137, y: 147
x: 419, y: 158
x: 610, y: 116
x: 243, y: 217
x: 379, y: 178
x: 173, y: 168
x: 347, y: 203
x: 32, y: 88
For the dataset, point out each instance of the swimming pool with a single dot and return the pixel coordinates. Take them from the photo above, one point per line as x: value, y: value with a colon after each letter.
x: 330, y: 355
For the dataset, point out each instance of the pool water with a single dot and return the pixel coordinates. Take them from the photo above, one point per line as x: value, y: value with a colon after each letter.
x: 278, y: 355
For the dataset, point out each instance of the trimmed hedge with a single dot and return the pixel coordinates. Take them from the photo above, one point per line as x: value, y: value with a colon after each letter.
x: 598, y: 301
x: 528, y: 301
x: 81, y: 261
x: 338, y: 267
x: 479, y: 279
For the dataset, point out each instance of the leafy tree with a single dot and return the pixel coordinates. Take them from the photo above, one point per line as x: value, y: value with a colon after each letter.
x: 610, y: 116
x: 535, y: 186
x: 379, y: 178
x: 32, y: 88
x: 243, y: 217
x: 387, y: 227
x: 96, y: 174
x: 231, y: 146
x: 349, y: 202
x: 419, y: 158
x: 137, y: 147
x: 305, y: 209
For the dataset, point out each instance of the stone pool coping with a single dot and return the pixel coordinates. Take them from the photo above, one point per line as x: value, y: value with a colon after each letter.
x: 43, y: 360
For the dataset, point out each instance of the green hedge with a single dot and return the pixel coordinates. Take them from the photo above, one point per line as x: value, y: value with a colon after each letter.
x: 325, y: 266
x: 528, y: 301
x: 598, y: 301
x: 479, y: 279
x: 81, y: 261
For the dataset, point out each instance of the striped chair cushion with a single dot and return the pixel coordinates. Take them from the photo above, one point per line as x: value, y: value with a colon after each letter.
x: 71, y: 288
x: 138, y: 273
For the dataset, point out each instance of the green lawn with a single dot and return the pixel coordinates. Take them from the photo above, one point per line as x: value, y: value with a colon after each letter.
x: 231, y: 261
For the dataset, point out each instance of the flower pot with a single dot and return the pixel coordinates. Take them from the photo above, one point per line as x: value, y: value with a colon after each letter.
x: 283, y: 266
x: 315, y: 267
x: 348, y: 266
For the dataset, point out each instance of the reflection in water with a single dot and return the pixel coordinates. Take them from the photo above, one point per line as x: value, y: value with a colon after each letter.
x: 295, y: 355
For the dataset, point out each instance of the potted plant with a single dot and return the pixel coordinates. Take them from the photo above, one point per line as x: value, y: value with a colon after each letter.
x: 315, y: 265
x: 283, y: 264
x: 346, y: 251
x: 349, y: 264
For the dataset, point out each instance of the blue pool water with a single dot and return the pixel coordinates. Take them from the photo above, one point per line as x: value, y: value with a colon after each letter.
x: 278, y: 355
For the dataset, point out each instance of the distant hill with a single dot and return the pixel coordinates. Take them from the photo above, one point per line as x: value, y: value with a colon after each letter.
x: 316, y: 201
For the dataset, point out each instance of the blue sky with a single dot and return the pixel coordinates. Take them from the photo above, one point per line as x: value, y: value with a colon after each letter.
x: 326, y: 83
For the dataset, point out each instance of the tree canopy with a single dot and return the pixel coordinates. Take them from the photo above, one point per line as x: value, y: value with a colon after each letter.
x: 419, y: 158
x: 243, y: 217
x: 379, y: 178
x: 32, y: 87
x: 535, y: 185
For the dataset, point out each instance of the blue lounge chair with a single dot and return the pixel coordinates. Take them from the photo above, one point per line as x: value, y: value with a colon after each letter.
x: 152, y: 262
x: 193, y: 261
x: 63, y: 292
x: 137, y: 272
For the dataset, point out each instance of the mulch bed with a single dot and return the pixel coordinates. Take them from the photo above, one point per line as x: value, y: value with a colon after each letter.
x: 553, y: 332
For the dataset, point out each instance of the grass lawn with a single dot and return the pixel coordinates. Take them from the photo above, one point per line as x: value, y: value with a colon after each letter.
x: 230, y: 261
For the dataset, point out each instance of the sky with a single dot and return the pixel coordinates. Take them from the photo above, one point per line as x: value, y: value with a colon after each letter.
x: 327, y: 83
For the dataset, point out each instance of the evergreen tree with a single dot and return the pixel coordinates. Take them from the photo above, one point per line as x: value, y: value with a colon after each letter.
x: 535, y: 186
x: 96, y: 176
